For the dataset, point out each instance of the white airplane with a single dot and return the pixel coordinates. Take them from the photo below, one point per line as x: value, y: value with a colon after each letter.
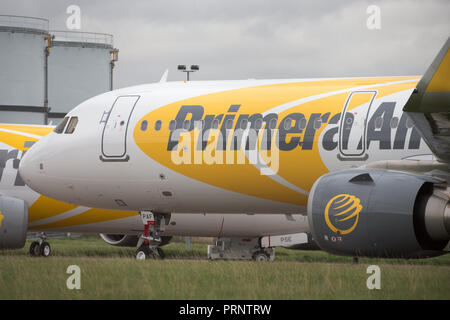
x: 366, y: 159
x: 244, y: 234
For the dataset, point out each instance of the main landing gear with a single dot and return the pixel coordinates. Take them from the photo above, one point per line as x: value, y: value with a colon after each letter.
x: 149, y: 243
x: 40, y: 248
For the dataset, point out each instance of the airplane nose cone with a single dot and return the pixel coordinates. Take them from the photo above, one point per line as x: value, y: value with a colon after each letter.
x: 31, y: 165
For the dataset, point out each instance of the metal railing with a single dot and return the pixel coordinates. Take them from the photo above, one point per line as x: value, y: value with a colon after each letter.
x: 83, y: 37
x: 24, y: 22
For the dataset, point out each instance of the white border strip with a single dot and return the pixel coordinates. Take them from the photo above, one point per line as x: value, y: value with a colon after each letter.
x: 59, y: 217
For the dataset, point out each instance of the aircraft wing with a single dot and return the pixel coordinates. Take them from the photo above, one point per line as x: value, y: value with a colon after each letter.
x: 429, y: 105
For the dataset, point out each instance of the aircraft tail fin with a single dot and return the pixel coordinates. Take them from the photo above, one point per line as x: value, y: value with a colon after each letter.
x: 433, y: 91
x: 429, y: 105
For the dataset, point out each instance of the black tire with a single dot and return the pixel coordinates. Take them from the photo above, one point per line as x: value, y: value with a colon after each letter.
x: 161, y: 253
x: 34, y: 249
x: 45, y: 250
x: 143, y: 252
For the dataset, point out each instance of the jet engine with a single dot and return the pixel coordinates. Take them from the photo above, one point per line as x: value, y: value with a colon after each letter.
x: 380, y: 213
x: 120, y: 240
x: 123, y: 240
x: 13, y: 223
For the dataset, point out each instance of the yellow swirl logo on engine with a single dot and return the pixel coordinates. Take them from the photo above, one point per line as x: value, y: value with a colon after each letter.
x: 344, y: 211
x: 1, y: 218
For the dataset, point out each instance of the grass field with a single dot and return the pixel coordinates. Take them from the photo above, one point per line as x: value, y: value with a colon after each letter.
x: 112, y: 273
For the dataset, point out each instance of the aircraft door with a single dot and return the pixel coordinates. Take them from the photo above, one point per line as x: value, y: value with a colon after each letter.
x: 353, y: 126
x: 114, y: 137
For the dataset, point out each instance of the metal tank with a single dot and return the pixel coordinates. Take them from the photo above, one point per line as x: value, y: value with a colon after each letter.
x: 23, y: 52
x: 80, y: 66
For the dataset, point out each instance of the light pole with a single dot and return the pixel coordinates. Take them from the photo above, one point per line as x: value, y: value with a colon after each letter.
x: 182, y: 68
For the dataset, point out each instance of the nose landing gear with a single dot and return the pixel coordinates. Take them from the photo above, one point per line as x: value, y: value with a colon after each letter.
x: 149, y: 252
x: 149, y: 243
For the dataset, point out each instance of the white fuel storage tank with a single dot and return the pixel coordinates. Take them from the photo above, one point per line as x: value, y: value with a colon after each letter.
x: 23, y: 47
x: 45, y: 74
x: 80, y: 66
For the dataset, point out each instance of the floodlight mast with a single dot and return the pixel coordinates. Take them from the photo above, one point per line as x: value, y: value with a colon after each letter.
x: 182, y: 68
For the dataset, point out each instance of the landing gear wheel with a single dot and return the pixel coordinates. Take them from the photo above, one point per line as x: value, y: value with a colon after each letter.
x: 143, y: 252
x: 34, y: 249
x: 45, y: 249
x: 161, y: 254
x: 261, y: 257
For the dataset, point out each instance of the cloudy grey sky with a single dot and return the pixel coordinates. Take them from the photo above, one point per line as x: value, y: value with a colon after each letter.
x: 240, y: 39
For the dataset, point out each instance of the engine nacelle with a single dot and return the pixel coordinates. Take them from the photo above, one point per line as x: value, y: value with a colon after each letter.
x: 123, y: 240
x: 120, y: 240
x: 13, y: 223
x: 379, y: 213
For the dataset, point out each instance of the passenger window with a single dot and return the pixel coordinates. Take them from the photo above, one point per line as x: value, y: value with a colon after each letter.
x: 409, y: 123
x: 317, y: 123
x: 144, y: 125
x: 287, y: 124
x: 378, y: 123
x: 172, y: 125
x: 158, y: 125
x: 60, y: 127
x: 394, y: 122
x: 229, y: 124
x: 199, y: 124
x: 302, y: 124
x: 244, y: 124
x: 72, y: 125
x: 272, y: 123
x: 215, y: 124
x: 187, y: 124
x: 258, y: 123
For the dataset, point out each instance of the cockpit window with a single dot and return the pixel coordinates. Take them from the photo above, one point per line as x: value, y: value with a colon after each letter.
x: 60, y: 127
x: 72, y: 125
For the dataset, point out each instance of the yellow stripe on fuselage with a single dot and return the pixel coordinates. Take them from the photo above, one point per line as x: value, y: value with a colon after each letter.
x: 36, y: 130
x: 87, y: 217
x: 300, y: 168
x: 46, y: 207
x: 14, y: 140
x: 289, y: 161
